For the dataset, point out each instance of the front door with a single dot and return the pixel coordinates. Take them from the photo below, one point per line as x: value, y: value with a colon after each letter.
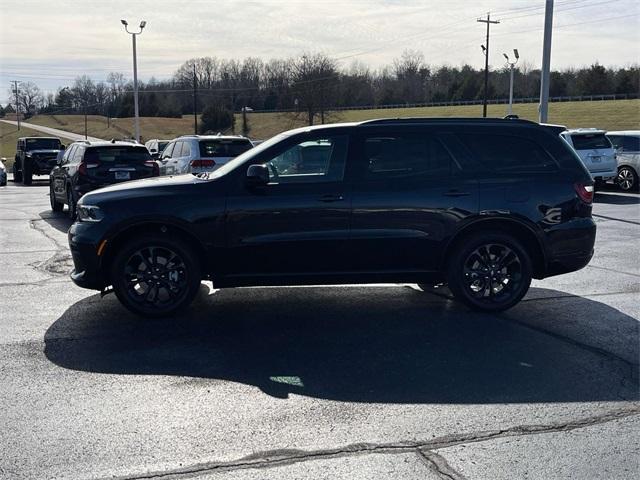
x: 298, y: 224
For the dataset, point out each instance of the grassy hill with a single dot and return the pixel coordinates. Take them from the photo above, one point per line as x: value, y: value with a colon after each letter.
x: 609, y: 115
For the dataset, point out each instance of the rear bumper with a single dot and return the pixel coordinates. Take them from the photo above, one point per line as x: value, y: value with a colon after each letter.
x: 571, y: 246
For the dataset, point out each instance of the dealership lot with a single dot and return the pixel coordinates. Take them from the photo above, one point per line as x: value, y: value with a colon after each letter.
x: 352, y: 382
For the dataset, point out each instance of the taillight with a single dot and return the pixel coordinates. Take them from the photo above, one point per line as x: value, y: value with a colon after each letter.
x: 155, y: 166
x: 585, y: 192
x: 83, y: 167
x: 202, y: 163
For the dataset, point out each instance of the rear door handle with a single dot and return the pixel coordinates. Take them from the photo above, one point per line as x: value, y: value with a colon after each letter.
x: 456, y: 193
x: 331, y: 198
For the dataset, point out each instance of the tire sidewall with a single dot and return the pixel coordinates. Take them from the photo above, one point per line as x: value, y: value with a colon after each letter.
x: 194, y: 276
x: 634, y: 175
x: 465, y: 248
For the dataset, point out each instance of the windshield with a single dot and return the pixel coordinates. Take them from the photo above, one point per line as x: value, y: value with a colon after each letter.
x: 117, y: 154
x: 223, y: 148
x: 246, y: 156
x: 43, y: 144
x: 590, y: 141
x: 161, y: 146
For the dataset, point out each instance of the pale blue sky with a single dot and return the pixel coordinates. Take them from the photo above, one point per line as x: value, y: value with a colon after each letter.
x: 51, y: 42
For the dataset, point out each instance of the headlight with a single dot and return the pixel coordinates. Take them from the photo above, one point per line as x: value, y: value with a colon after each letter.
x: 89, y: 213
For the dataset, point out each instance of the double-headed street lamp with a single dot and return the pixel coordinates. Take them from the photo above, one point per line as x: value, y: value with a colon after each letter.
x: 135, y: 74
x: 511, y: 65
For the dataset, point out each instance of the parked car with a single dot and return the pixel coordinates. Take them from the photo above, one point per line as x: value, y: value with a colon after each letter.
x: 156, y: 147
x: 3, y: 173
x: 627, y: 145
x: 87, y: 166
x: 595, y: 150
x: 35, y: 156
x: 484, y: 205
x: 201, y: 153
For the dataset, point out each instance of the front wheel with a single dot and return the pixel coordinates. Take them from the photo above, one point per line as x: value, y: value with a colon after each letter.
x: 489, y: 272
x: 627, y: 179
x: 155, y: 276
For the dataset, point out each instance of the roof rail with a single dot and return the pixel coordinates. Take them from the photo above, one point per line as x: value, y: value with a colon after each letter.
x: 427, y: 120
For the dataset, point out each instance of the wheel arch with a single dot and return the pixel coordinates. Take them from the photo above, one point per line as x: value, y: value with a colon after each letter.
x: 508, y: 225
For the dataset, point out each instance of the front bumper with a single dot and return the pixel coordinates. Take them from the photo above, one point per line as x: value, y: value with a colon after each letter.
x: 87, y: 272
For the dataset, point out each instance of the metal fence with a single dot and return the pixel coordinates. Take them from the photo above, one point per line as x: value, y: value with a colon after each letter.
x: 493, y: 101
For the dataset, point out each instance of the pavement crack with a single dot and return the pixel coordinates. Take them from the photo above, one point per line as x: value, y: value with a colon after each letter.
x: 438, y: 465
x: 274, y: 458
x: 60, y: 263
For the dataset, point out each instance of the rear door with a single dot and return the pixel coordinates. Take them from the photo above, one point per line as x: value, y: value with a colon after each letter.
x: 409, y: 194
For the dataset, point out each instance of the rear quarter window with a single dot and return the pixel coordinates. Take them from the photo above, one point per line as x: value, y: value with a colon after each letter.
x: 223, y: 147
x: 508, y: 153
x: 590, y: 141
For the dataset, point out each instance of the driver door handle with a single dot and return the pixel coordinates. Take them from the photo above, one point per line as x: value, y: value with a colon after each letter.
x: 331, y: 198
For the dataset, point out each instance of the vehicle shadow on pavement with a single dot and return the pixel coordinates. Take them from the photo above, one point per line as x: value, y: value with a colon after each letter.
x: 59, y: 221
x: 613, y: 199
x: 360, y: 344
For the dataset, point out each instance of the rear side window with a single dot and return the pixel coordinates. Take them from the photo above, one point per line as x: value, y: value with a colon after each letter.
x: 507, y: 153
x: 630, y: 144
x: 117, y: 154
x: 405, y: 155
x: 590, y: 141
x: 223, y: 147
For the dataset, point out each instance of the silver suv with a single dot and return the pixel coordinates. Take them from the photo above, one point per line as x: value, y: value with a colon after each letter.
x: 595, y: 151
x: 201, y: 153
x: 627, y: 144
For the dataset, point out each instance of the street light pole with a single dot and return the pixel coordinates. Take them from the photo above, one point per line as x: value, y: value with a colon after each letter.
x: 511, y: 65
x: 135, y: 75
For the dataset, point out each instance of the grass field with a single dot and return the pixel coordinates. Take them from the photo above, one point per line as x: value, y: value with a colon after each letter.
x: 609, y: 115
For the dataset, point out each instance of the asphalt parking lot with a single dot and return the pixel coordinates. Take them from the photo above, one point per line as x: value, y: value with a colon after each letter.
x: 353, y: 382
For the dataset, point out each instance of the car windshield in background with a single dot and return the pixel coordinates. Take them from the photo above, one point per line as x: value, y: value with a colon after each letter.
x: 161, y: 146
x: 43, y: 144
x: 223, y: 148
x: 590, y: 141
x: 117, y: 154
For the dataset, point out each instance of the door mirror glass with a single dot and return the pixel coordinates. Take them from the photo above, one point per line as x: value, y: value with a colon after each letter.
x: 257, y: 175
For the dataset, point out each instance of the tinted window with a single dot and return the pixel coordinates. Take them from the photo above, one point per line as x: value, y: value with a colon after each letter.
x: 117, y: 154
x: 311, y: 161
x: 43, y: 144
x: 590, y: 141
x: 506, y: 153
x: 406, y: 155
x: 161, y: 146
x: 631, y: 144
x: 615, y: 140
x: 224, y: 147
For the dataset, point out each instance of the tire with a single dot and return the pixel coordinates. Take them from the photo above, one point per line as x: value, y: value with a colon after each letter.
x: 133, y: 275
x: 71, y: 204
x: 627, y: 179
x: 496, y: 258
x: 17, y: 175
x: 55, y: 205
x: 27, y: 174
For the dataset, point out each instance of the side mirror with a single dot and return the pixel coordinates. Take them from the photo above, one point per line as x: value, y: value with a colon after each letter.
x: 257, y: 175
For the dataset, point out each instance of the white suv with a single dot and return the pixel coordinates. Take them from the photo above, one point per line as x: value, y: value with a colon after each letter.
x: 595, y: 151
x: 627, y: 144
x: 201, y: 153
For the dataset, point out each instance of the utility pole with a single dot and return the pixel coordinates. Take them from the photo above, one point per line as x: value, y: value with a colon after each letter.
x: 15, y: 83
x: 85, y: 120
x: 485, y: 48
x: 546, y: 62
x: 195, y: 102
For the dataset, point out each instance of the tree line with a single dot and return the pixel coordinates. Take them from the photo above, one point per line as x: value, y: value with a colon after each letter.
x: 311, y: 84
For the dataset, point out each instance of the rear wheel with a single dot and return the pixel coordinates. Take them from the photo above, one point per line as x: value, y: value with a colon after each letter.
x: 627, y: 179
x: 71, y: 204
x: 56, y: 206
x: 489, y: 272
x: 155, y: 276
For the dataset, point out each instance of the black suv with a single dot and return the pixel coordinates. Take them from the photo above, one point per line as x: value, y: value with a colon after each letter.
x: 483, y: 205
x: 87, y: 166
x: 35, y: 156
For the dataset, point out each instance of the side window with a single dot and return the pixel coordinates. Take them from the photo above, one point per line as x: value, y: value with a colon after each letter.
x: 69, y: 154
x: 631, y: 144
x: 616, y: 141
x: 405, y: 155
x: 312, y: 161
x: 78, y: 154
x: 186, y: 149
x: 506, y: 153
x: 177, y: 150
x: 166, y: 153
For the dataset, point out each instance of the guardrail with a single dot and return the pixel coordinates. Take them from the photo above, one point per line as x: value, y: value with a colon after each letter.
x: 451, y: 103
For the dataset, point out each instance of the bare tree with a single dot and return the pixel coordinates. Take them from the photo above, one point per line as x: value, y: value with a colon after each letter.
x: 313, y: 77
x: 30, y: 98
